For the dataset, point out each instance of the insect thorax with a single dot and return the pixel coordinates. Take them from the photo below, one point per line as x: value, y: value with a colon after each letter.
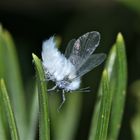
x: 63, y: 84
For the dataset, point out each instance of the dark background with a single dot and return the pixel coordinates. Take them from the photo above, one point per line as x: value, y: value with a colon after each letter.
x: 31, y: 22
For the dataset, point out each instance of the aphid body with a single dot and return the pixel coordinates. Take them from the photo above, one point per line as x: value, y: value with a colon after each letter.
x: 66, y: 70
x: 58, y: 68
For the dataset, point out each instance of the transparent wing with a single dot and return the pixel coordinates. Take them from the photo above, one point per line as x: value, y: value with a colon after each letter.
x: 69, y: 48
x: 92, y: 62
x: 82, y: 48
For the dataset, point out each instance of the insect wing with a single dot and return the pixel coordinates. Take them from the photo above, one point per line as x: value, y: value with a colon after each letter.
x: 92, y: 62
x: 83, y: 47
x: 69, y: 48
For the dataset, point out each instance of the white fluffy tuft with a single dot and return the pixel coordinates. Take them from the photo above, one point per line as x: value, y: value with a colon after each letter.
x: 73, y: 85
x: 54, y: 62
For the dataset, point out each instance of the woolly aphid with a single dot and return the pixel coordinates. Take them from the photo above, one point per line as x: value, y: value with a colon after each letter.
x: 66, y: 70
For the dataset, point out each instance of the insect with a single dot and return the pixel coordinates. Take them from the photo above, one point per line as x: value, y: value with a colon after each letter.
x: 66, y: 70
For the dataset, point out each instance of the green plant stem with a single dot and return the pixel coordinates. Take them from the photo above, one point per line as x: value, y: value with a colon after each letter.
x: 119, y: 89
x: 9, y: 111
x: 105, y: 107
x: 44, y: 122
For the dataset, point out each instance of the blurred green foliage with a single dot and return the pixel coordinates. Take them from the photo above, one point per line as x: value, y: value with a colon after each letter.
x: 135, y: 4
x: 11, y: 74
x: 30, y: 23
x: 106, y: 117
x: 135, y: 123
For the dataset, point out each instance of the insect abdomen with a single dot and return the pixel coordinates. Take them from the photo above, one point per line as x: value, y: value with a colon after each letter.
x: 55, y: 62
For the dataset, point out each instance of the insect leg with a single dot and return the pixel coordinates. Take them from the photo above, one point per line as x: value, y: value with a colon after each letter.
x: 53, y: 88
x: 63, y: 100
x: 86, y: 89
